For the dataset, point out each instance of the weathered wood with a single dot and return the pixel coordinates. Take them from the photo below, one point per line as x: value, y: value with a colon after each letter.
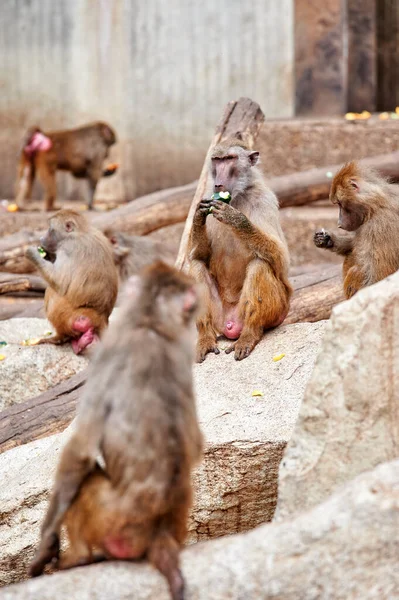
x: 387, y: 54
x: 12, y: 306
x: 11, y: 283
x: 243, y: 117
x: 309, y: 186
x: 320, y: 69
x: 315, y: 295
x: 12, y: 251
x: 362, y: 64
x: 39, y: 417
x: 148, y: 213
x: 139, y: 217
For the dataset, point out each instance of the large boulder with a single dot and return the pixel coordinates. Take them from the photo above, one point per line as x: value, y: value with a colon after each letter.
x: 245, y: 435
x: 349, y: 419
x: 347, y: 547
x: 27, y: 371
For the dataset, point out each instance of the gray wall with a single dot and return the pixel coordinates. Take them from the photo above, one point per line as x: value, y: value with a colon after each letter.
x: 160, y: 71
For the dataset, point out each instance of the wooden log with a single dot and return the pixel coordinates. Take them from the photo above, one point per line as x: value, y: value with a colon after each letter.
x: 39, y: 417
x: 23, y: 308
x: 315, y: 295
x: 309, y: 186
x: 11, y: 283
x: 148, y: 213
x: 139, y: 217
x: 12, y: 251
x: 243, y: 117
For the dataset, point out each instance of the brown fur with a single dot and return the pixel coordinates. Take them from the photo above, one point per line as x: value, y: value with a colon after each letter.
x: 369, y: 212
x: 133, y: 252
x: 80, y: 151
x: 138, y: 412
x: 82, y: 280
x: 239, y: 254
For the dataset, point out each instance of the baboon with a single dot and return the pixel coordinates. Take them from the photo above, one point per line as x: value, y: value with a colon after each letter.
x: 81, y: 276
x: 238, y: 252
x: 80, y: 151
x: 369, y: 215
x: 138, y: 412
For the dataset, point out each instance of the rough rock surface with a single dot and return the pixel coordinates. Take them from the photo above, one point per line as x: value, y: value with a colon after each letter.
x: 349, y: 419
x: 29, y: 370
x: 333, y: 551
x: 245, y: 436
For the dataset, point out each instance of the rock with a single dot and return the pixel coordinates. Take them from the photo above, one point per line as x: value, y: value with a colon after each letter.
x: 347, y: 547
x: 29, y: 472
x: 29, y: 370
x: 245, y: 437
x: 349, y: 419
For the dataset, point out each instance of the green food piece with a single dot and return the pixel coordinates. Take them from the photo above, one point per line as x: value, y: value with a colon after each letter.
x: 41, y: 251
x: 3, y: 343
x: 223, y: 196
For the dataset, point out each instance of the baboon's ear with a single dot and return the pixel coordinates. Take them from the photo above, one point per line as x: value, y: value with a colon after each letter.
x: 253, y: 158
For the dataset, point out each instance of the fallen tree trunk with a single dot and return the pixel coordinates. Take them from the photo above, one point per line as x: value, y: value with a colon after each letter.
x: 13, y: 306
x: 148, y: 213
x: 48, y: 413
x: 315, y: 295
x: 242, y: 118
x: 139, y: 217
x: 12, y: 283
x: 297, y: 189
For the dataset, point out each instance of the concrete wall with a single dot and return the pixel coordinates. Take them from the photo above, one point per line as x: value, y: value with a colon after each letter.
x: 160, y: 71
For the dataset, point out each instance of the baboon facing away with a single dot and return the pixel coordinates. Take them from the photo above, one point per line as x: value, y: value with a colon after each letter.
x: 138, y: 412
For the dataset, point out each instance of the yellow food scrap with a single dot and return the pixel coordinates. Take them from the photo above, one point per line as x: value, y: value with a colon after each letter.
x: 257, y: 393
x: 31, y: 342
x: 397, y: 110
x: 278, y: 357
x: 12, y: 208
x: 2, y: 356
x: 383, y: 116
x: 354, y: 116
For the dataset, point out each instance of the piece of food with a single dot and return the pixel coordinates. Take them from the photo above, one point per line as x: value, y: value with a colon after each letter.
x: 3, y: 343
x: 257, y: 393
x: 110, y: 169
x: 278, y: 357
x: 2, y: 356
x: 41, y: 251
x: 31, y: 342
x: 12, y: 208
x: 223, y: 196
